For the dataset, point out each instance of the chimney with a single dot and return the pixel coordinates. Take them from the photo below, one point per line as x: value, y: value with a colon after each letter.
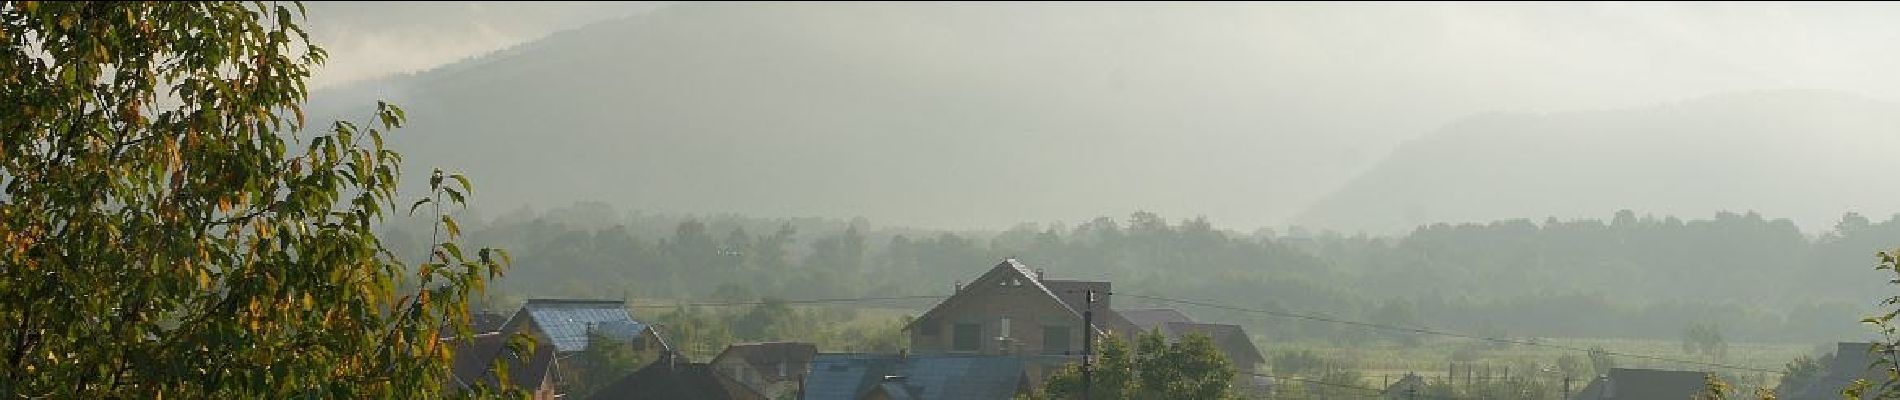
x: 1039, y: 274
x: 959, y: 287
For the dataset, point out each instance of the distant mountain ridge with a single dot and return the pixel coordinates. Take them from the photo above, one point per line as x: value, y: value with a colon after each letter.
x: 932, y: 115
x: 980, y: 115
x: 1810, y: 155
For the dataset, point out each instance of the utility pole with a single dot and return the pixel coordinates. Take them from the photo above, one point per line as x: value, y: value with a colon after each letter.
x: 1088, y: 342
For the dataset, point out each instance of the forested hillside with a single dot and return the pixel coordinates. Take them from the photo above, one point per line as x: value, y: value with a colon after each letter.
x: 1627, y: 276
x: 1796, y: 154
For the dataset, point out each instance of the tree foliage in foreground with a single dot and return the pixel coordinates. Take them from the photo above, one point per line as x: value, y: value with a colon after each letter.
x: 1192, y: 368
x: 169, y: 229
x: 1885, y: 359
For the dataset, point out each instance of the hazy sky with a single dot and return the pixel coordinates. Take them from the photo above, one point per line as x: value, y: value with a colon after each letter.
x: 1290, y: 100
x: 367, y: 40
x: 1753, y: 45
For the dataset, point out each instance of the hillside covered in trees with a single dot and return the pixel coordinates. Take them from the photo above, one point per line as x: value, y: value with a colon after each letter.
x: 1758, y: 279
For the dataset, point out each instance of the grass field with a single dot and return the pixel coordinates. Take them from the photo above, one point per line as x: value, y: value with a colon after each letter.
x: 1385, y: 361
x: 1379, y: 362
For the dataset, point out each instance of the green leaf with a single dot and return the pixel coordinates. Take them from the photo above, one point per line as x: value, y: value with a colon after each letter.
x: 418, y: 204
x: 448, y: 223
x: 463, y: 180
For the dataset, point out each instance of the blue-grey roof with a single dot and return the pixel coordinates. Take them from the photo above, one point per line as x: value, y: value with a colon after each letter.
x: 928, y: 377
x: 566, y: 321
x: 964, y: 377
x: 844, y: 376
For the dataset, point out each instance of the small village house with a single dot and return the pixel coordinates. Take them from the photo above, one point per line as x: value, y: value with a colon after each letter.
x: 770, y: 368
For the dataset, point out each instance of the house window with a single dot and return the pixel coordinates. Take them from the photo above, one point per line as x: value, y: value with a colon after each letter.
x: 967, y: 337
x: 931, y: 328
x: 1055, y: 339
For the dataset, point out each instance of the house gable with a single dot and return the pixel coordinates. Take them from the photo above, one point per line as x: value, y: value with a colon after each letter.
x: 1007, y: 278
x: 1007, y: 310
x: 564, y: 323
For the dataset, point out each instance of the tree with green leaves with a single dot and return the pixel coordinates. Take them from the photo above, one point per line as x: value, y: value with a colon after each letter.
x: 1192, y: 368
x: 605, y: 360
x: 1885, y: 359
x: 1705, y: 339
x: 169, y: 228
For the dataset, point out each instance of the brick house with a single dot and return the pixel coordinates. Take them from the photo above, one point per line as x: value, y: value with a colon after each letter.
x: 1011, y: 310
x: 772, y: 369
x: 475, y: 357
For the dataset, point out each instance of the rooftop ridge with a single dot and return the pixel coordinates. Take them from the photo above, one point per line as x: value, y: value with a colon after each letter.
x: 573, y: 301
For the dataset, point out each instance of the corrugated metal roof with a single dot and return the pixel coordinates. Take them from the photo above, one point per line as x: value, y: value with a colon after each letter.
x: 844, y: 376
x: 847, y: 376
x: 964, y: 377
x: 567, y: 322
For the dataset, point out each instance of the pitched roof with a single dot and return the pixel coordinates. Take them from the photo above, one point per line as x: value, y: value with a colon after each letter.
x: 1152, y: 318
x: 845, y: 376
x: 472, y: 361
x: 566, y: 321
x: 765, y: 357
x: 662, y: 380
x: 1012, y: 271
x: 1634, y: 383
x: 1231, y: 340
x: 850, y: 376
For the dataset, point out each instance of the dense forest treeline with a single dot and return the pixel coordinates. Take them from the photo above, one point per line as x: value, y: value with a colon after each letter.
x: 1755, y: 278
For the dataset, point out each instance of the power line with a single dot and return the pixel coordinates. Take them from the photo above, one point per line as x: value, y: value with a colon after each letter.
x: 1309, y: 317
x: 1452, y: 334
x: 1340, y: 385
x: 805, y: 301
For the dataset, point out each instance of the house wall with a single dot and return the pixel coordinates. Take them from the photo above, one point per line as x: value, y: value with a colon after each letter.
x: 985, y: 303
x: 767, y: 383
x: 521, y: 323
x: 546, y: 391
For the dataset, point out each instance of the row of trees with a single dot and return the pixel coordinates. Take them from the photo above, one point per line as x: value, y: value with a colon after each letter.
x: 203, y: 246
x: 1192, y: 368
x: 1633, y: 277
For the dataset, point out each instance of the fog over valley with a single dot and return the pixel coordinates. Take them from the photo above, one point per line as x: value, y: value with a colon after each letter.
x: 949, y: 200
x: 1253, y: 115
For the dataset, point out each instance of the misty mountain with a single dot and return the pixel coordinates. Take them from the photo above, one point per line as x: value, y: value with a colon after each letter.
x: 925, y: 115
x: 1807, y: 155
x: 967, y: 115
